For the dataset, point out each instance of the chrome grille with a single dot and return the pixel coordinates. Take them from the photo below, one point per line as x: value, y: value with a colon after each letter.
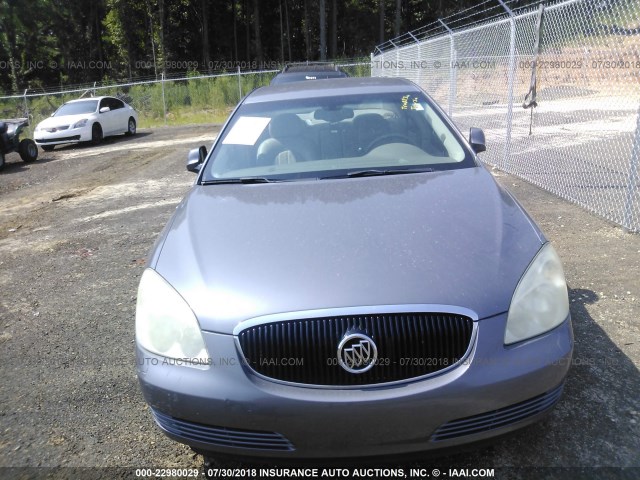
x: 305, y: 351
x: 56, y: 129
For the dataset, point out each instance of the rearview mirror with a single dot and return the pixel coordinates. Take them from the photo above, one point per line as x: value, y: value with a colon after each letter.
x: 476, y: 140
x: 195, y: 158
x: 105, y: 109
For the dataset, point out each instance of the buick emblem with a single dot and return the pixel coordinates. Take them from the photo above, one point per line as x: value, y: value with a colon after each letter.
x: 357, y: 353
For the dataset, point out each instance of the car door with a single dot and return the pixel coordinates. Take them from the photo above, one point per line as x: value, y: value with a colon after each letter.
x: 120, y: 115
x: 106, y: 119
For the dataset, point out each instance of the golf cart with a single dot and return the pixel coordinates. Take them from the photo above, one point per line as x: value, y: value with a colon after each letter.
x: 10, y: 140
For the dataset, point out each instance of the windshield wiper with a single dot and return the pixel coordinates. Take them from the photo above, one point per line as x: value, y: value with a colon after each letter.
x: 377, y: 172
x: 242, y: 180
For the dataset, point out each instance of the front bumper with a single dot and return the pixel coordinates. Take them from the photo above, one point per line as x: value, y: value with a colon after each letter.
x: 61, y: 137
x: 226, y: 408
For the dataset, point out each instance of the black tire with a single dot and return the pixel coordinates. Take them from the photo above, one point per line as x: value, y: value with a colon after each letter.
x: 28, y: 150
x: 1, y: 160
x: 131, y: 127
x: 96, y: 134
x: 48, y: 148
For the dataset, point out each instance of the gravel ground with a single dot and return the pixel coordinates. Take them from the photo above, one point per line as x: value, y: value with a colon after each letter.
x: 75, y: 228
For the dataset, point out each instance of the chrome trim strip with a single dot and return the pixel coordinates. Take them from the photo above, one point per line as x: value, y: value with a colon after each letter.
x: 365, y: 310
x: 345, y: 311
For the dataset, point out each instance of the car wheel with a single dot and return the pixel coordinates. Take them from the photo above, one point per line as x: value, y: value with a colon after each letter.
x: 1, y: 160
x: 96, y: 134
x: 28, y: 150
x: 131, y: 126
x: 48, y: 148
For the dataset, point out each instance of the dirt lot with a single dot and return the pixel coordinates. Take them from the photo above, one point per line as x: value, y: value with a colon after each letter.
x: 75, y: 228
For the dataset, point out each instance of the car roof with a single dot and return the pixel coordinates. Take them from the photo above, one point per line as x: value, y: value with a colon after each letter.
x: 332, y: 87
x: 305, y: 75
x: 303, y: 71
x: 88, y: 98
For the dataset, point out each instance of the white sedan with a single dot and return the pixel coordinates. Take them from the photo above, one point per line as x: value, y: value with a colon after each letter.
x: 86, y: 120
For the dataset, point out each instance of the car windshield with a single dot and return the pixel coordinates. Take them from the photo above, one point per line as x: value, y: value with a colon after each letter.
x: 328, y: 137
x: 77, y: 108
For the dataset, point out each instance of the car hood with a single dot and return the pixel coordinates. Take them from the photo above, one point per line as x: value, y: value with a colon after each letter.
x: 53, y: 122
x: 235, y: 252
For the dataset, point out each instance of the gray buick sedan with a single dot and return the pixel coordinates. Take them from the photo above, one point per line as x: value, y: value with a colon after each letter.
x: 346, y: 279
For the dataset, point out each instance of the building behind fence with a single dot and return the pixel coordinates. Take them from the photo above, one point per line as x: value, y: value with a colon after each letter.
x: 582, y: 141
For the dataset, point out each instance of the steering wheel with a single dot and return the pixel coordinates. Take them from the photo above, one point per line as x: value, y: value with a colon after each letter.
x: 388, y: 138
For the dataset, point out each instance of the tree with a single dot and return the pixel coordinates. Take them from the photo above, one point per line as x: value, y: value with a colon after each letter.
x: 334, y: 29
x: 51, y: 42
x: 156, y: 13
x: 8, y: 26
x: 235, y: 30
x: 306, y: 27
x: 323, y: 31
x: 256, y: 29
x: 25, y: 44
x: 381, y: 21
x: 126, y: 36
x: 398, y: 18
x: 281, y: 33
x: 204, y: 29
x: 286, y: 16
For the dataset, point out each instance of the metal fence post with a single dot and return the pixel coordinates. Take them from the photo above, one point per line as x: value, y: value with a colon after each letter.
x: 239, y: 84
x: 452, y: 70
x: 415, y: 65
x: 164, y: 103
x: 632, y: 183
x: 581, y: 175
x: 26, y: 111
x: 26, y: 106
x: 420, y: 66
x: 512, y: 66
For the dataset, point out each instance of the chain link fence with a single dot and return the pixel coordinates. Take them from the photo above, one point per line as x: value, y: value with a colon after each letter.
x: 189, y: 99
x: 582, y: 140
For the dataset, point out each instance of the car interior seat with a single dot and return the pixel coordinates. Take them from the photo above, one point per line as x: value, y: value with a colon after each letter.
x: 368, y: 127
x: 290, y: 142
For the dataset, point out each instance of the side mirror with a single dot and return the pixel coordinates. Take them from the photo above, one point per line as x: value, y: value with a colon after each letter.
x: 476, y: 140
x: 195, y: 158
x: 105, y: 109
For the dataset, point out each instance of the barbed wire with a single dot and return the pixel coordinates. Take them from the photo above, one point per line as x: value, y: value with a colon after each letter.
x: 463, y: 19
x: 150, y: 79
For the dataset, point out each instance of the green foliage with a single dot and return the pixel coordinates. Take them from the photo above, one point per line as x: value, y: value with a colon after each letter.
x: 362, y: 68
x: 80, y: 41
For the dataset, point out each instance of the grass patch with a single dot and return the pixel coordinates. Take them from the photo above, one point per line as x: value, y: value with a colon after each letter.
x: 185, y: 116
x: 190, y: 101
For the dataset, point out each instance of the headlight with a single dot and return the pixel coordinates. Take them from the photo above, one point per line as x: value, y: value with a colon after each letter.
x: 80, y: 123
x: 541, y: 300
x: 165, y: 324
